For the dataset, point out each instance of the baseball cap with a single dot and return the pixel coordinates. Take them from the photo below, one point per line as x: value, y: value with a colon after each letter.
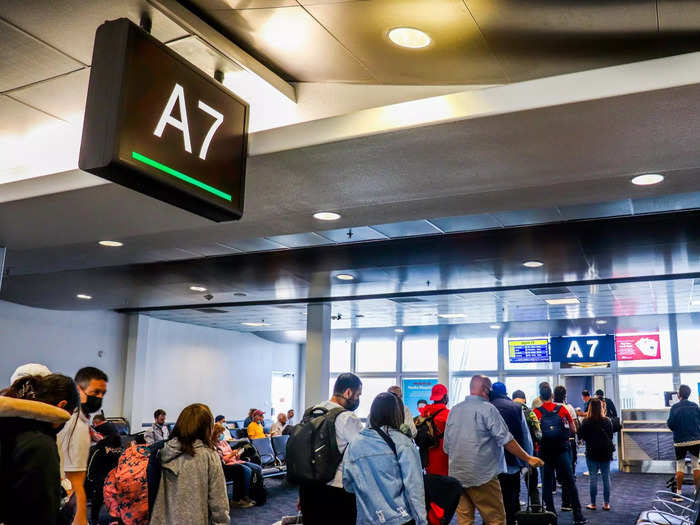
x: 438, y: 392
x: 258, y: 413
x: 30, y: 369
x: 499, y: 388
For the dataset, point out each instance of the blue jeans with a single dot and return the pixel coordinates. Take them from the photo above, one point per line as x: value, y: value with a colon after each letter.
x: 242, y: 476
x: 593, y: 468
x: 561, y: 463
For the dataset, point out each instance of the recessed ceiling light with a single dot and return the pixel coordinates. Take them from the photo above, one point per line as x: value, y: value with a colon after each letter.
x: 409, y: 37
x: 495, y: 326
x: 533, y: 264
x: 451, y: 316
x: 566, y: 300
x: 256, y: 324
x: 84, y: 296
x: 198, y: 288
x: 601, y: 321
x: 647, y: 179
x: 399, y: 330
x: 326, y: 216
x: 345, y: 277
x: 111, y: 244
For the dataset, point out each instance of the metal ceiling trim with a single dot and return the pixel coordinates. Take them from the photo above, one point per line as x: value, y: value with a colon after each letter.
x: 198, y: 27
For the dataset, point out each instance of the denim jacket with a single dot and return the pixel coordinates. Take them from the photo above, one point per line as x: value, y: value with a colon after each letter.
x: 684, y: 421
x: 389, y: 488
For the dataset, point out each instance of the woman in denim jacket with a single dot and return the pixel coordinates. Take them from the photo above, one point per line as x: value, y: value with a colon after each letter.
x: 388, y: 484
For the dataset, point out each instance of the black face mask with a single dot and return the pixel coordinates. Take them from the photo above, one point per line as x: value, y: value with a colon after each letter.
x: 92, y: 405
x: 351, y: 404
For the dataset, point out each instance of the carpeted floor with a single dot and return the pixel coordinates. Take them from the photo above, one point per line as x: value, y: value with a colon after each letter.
x: 631, y: 493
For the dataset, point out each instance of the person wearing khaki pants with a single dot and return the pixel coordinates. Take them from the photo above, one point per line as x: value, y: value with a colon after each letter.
x: 475, y: 438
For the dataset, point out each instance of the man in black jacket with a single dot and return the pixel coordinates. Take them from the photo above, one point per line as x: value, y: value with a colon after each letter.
x: 514, y: 417
x: 610, y: 410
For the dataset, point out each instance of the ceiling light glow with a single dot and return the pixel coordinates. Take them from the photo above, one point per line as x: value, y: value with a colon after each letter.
x: 327, y: 216
x: 566, y: 300
x: 111, y: 244
x: 399, y: 330
x: 345, y: 277
x: 256, y: 324
x: 198, y: 288
x: 495, y: 326
x: 601, y: 321
x: 84, y: 296
x: 451, y: 316
x: 409, y: 37
x: 647, y: 179
x: 533, y: 264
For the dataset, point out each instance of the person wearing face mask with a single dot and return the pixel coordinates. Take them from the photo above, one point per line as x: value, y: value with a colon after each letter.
x: 74, y: 439
x: 323, y: 503
x: 476, y: 438
x: 32, y: 411
x: 239, y: 471
x: 256, y: 429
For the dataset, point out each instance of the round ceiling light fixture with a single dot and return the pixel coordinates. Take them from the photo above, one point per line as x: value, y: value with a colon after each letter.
x: 84, y: 296
x: 495, y: 326
x: 198, y: 288
x: 533, y: 264
x: 345, y: 277
x: 647, y: 179
x: 111, y: 244
x: 399, y: 330
x: 409, y: 37
x: 601, y: 321
x: 327, y: 216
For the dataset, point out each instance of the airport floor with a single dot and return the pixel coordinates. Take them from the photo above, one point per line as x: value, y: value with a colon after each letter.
x: 631, y: 493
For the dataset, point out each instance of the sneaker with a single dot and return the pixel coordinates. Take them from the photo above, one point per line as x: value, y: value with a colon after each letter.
x: 582, y: 521
x: 591, y: 506
x: 242, y: 504
x: 566, y: 508
x: 606, y: 506
x: 586, y: 473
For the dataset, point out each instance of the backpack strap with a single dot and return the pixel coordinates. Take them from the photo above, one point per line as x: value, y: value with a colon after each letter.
x: 387, y: 439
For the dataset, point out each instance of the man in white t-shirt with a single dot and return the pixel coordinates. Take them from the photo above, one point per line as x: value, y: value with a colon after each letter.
x: 329, y: 503
x: 74, y: 439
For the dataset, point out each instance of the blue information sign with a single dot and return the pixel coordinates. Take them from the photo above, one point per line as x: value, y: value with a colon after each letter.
x: 415, y: 389
x: 528, y: 350
x: 583, y: 349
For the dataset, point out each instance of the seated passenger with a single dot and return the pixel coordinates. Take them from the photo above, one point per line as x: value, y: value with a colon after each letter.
x: 255, y: 428
x: 31, y: 411
x: 126, y: 487
x: 279, y: 425
x: 158, y: 431
x: 236, y: 470
x: 290, y: 416
x: 192, y: 488
x: 221, y: 420
x: 104, y: 457
x: 103, y: 427
x: 381, y: 466
x: 248, y: 420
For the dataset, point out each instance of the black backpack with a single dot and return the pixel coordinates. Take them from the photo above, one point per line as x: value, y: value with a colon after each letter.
x: 312, y: 449
x: 427, y: 435
x: 555, y: 432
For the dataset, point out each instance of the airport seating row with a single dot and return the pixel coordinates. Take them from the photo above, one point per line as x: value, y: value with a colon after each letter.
x: 669, y: 508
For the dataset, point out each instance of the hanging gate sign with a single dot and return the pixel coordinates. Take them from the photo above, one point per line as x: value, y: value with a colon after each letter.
x: 583, y: 349
x: 158, y: 125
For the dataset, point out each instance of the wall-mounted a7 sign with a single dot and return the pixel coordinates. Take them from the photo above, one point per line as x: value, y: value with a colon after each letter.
x: 158, y: 125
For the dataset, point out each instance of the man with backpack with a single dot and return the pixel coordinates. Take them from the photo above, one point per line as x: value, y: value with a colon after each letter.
x: 430, y: 432
x: 315, y: 453
x: 557, y: 427
x: 533, y: 425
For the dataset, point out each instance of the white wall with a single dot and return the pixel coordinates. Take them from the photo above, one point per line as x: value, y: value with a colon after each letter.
x: 65, y: 341
x: 229, y: 371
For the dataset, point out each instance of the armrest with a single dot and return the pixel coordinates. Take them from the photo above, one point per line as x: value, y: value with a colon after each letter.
x: 672, y: 507
x: 669, y: 518
x: 660, y: 493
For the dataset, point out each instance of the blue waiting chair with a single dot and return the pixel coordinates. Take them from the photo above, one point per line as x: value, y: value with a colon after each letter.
x: 270, y: 464
x: 279, y: 444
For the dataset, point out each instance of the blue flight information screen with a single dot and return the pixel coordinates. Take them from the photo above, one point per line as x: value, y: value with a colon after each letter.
x: 529, y: 350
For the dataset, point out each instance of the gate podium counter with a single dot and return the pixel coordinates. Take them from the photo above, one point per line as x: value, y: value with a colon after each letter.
x: 645, y: 443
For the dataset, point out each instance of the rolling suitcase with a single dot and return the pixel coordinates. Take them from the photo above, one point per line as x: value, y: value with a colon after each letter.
x: 535, y: 515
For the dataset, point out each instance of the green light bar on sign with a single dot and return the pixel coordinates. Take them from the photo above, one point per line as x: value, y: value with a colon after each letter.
x: 170, y: 171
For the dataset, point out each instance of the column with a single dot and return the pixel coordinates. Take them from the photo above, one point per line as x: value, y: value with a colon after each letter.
x: 135, y: 374
x: 317, y: 354
x: 444, y: 356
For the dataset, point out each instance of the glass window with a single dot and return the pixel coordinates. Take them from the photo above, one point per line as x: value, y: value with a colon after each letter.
x: 459, y: 389
x: 375, y: 354
x: 664, y: 341
x: 479, y: 353
x: 340, y: 355
x: 689, y: 340
x: 371, y: 386
x: 644, y: 390
x: 522, y: 366
x: 529, y: 385
x: 692, y: 379
x: 420, y: 354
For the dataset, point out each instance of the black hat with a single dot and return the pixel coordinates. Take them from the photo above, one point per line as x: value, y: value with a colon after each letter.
x: 599, y: 393
x: 519, y: 394
x: 219, y: 418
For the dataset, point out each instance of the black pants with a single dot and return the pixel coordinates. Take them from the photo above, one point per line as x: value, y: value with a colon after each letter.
x: 532, y: 479
x: 510, y: 488
x: 322, y: 504
x: 561, y: 464
x: 574, y: 459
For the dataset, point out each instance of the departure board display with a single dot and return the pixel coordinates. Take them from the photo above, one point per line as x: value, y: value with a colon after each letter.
x: 528, y: 350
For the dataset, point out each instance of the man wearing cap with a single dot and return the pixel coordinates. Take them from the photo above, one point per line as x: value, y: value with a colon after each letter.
x: 255, y: 429
x: 438, y: 462
x: 512, y: 413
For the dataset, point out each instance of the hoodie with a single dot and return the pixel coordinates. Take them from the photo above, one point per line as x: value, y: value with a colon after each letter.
x: 30, y: 478
x: 192, y: 490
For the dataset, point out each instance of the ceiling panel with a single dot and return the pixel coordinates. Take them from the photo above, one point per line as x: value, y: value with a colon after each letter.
x: 406, y: 229
x: 297, y: 240
x: 357, y: 234
x: 457, y: 53
x: 290, y: 39
x: 591, y: 211
x: 666, y: 202
x: 63, y: 97
x: 197, y: 52
x: 254, y: 245
x: 18, y: 118
x: 213, y: 5
x: 679, y: 15
x: 24, y: 59
x: 480, y: 221
x: 524, y: 217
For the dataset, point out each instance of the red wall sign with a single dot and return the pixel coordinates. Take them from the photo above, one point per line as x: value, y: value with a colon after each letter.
x: 637, y: 347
